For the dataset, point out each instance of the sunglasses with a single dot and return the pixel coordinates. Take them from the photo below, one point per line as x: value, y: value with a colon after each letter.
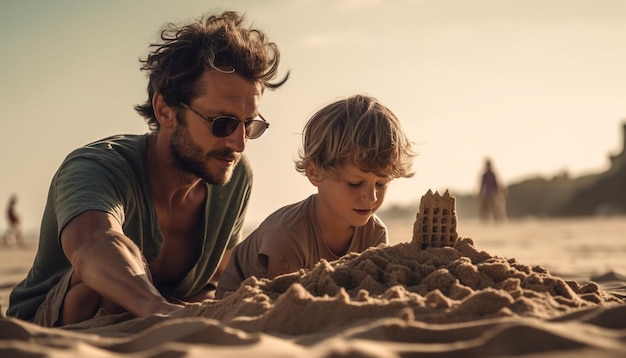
x: 223, y: 126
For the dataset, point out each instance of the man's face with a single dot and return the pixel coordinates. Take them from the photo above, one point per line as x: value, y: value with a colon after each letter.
x: 193, y: 146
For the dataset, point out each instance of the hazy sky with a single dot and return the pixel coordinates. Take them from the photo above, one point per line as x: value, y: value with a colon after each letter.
x: 537, y: 85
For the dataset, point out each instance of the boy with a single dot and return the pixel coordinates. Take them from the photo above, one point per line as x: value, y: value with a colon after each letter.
x: 352, y: 149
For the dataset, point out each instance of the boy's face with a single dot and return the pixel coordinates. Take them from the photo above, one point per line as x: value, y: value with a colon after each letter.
x: 353, y: 197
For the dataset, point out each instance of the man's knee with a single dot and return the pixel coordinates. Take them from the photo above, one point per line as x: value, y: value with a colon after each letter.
x: 81, y: 303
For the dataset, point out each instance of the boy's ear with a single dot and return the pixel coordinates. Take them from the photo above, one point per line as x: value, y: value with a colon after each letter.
x: 165, y: 115
x: 314, y: 174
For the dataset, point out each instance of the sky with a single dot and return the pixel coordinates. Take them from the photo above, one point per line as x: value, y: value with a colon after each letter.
x: 539, y: 86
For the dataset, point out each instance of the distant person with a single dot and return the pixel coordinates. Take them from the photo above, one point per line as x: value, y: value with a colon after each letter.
x: 14, y: 230
x: 352, y: 149
x: 145, y: 223
x: 491, y: 196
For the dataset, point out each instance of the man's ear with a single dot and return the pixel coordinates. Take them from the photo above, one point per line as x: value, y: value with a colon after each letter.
x: 165, y: 115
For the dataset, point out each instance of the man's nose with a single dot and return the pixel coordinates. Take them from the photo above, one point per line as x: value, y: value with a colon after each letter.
x: 236, y: 141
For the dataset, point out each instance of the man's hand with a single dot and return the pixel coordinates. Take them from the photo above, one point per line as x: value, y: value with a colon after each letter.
x: 165, y: 309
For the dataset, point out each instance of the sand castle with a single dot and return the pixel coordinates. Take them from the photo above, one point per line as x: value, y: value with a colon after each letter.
x: 435, y: 222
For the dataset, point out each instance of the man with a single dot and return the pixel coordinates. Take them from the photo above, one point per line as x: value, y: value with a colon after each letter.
x: 144, y: 223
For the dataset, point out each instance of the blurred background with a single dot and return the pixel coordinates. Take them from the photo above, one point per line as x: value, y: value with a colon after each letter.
x: 536, y: 86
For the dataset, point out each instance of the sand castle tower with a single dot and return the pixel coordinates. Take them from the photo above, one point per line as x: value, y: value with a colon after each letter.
x: 435, y: 222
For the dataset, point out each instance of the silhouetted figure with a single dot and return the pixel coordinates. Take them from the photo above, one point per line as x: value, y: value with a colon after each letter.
x: 491, y: 196
x: 14, y: 231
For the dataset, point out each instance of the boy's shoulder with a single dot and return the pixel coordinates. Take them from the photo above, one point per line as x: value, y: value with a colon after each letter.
x: 289, y: 216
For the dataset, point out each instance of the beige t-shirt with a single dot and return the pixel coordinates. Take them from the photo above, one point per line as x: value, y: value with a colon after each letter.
x: 291, y: 235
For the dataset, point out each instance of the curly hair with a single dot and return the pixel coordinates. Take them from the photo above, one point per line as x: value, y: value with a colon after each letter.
x: 217, y: 42
x: 356, y: 130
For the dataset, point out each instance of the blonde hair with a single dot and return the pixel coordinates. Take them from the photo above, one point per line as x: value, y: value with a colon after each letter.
x: 356, y: 130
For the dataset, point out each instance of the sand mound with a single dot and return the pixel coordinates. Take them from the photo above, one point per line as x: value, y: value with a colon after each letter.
x: 435, y: 285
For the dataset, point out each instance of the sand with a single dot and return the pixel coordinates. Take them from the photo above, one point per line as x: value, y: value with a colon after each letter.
x: 524, y: 289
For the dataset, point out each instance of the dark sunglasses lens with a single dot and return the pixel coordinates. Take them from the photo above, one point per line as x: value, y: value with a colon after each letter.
x: 224, y: 126
x: 255, y: 128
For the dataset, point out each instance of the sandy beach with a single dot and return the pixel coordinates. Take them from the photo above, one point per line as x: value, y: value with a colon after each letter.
x: 529, y: 288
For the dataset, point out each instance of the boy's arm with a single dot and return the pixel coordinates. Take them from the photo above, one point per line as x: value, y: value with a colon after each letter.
x: 222, y: 266
x: 110, y: 263
x: 277, y: 267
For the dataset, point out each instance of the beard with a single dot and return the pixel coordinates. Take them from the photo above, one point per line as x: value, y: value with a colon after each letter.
x: 188, y: 158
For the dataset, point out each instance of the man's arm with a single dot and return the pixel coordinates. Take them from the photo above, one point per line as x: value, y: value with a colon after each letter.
x: 109, y: 263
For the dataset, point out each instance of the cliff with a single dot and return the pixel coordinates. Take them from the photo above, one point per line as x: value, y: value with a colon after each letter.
x: 561, y: 196
x: 601, y: 193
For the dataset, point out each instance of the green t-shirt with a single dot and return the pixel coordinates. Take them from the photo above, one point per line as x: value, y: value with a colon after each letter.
x: 109, y: 175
